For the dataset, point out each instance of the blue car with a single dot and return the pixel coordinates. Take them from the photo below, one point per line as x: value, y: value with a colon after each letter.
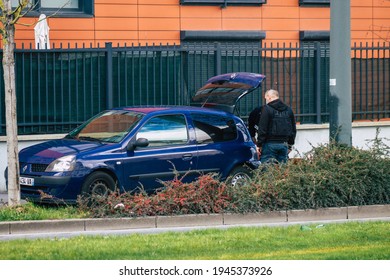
x: 131, y: 147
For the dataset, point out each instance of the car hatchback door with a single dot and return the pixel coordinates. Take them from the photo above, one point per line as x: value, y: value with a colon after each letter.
x: 168, y: 152
x: 224, y: 91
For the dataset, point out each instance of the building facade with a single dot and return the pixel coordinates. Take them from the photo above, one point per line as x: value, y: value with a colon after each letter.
x: 94, y: 22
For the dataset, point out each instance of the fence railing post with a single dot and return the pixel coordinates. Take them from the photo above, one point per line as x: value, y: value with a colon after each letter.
x: 78, y: 76
x: 317, y: 80
x: 218, y: 59
x: 109, y: 78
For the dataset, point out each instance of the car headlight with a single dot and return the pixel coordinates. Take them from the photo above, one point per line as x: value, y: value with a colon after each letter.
x: 66, y: 163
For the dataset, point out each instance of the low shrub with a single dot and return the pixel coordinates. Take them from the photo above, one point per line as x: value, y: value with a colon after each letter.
x: 330, y: 175
x: 206, y: 195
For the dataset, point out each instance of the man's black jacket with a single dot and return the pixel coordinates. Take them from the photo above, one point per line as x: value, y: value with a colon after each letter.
x: 265, y: 124
x: 253, y: 121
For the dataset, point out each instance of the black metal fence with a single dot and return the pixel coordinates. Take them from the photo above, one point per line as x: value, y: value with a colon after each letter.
x: 57, y: 89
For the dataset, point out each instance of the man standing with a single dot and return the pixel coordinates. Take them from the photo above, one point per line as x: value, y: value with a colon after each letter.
x: 253, y: 122
x: 277, y: 129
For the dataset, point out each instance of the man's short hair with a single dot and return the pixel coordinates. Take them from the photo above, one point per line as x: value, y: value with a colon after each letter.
x: 272, y: 92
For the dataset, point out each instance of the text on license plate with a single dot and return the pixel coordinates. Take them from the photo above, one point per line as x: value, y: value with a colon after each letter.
x: 26, y: 181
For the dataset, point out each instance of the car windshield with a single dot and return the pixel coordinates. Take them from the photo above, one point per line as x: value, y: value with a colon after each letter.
x: 109, y: 126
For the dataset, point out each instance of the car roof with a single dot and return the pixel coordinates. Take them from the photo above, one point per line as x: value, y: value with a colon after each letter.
x: 171, y: 109
x: 219, y: 93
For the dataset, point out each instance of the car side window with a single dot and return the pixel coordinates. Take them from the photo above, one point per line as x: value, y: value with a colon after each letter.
x: 165, y: 130
x: 213, y: 129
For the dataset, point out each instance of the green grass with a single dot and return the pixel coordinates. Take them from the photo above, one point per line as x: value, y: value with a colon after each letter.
x: 346, y: 241
x: 30, y: 211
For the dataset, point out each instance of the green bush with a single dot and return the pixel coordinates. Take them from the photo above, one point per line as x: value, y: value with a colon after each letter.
x: 330, y: 175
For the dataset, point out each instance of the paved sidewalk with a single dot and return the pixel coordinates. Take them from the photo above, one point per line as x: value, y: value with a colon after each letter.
x: 4, y: 198
x: 118, y: 232
x: 155, y: 224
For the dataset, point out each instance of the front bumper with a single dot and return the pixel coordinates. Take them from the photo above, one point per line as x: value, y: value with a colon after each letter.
x: 49, y: 189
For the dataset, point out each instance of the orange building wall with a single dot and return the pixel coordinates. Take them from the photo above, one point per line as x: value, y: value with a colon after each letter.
x: 160, y: 21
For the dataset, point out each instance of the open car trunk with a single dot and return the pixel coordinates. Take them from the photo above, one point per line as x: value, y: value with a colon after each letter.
x: 224, y: 91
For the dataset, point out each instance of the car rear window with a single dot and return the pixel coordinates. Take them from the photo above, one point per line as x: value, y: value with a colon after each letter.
x: 213, y: 128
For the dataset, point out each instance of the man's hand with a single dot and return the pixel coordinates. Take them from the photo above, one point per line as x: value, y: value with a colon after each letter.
x: 258, y: 149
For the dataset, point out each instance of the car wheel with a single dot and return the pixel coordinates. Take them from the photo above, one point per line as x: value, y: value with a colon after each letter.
x: 239, y: 176
x: 98, y: 183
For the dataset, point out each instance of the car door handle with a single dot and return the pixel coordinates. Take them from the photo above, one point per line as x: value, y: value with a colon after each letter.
x: 187, y: 157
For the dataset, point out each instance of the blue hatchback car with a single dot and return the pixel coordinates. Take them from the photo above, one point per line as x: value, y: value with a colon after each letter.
x: 131, y: 147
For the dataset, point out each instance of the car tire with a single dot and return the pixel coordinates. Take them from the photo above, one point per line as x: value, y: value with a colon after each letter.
x: 239, y: 176
x: 98, y: 183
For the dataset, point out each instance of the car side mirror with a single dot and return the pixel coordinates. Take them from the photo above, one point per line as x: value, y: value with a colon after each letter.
x: 140, y: 142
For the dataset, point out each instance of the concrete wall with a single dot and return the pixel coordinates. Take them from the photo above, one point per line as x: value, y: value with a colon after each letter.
x: 308, y: 136
x: 362, y: 132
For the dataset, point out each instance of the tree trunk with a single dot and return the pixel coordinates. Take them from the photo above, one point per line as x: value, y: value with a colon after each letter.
x: 10, y: 109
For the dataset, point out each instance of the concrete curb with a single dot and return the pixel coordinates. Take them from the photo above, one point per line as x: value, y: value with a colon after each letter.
x: 205, y: 220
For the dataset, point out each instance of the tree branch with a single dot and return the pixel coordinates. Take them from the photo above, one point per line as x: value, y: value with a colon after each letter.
x: 17, y: 12
x: 33, y: 7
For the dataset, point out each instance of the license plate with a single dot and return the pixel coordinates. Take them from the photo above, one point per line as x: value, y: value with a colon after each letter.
x: 26, y: 181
